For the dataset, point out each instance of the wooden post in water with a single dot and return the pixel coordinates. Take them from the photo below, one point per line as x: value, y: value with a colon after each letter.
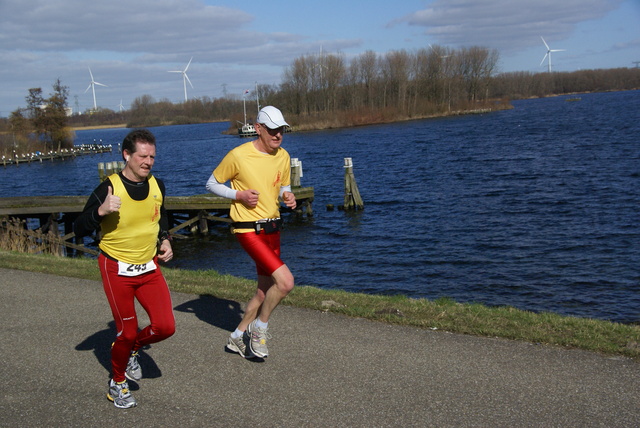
x: 203, y: 223
x: 296, y: 172
x: 108, y: 168
x: 352, y: 199
x: 101, y: 171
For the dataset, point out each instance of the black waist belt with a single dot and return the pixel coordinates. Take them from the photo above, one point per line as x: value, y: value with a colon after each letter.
x: 269, y: 225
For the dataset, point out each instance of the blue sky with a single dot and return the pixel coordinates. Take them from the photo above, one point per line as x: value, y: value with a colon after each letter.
x: 130, y: 45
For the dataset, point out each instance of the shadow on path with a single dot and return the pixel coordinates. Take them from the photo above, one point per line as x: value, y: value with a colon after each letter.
x: 100, y: 343
x: 221, y: 313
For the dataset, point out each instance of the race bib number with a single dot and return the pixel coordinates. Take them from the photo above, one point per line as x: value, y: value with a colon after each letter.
x: 127, y: 269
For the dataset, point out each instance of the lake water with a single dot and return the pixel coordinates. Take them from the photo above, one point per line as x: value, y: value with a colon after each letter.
x: 535, y: 207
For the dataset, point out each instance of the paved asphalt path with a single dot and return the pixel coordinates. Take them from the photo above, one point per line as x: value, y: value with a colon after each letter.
x: 325, y: 370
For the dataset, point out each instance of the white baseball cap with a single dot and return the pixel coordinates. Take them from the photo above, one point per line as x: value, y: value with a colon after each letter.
x: 271, y: 117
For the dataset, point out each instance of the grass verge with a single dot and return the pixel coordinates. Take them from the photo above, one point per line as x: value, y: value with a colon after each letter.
x: 441, y: 314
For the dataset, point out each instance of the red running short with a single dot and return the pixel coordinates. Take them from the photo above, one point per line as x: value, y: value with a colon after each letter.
x: 264, y: 249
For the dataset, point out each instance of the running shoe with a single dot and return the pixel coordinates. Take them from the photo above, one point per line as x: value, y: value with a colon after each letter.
x: 133, y: 371
x: 258, y: 340
x: 120, y: 395
x: 239, y: 345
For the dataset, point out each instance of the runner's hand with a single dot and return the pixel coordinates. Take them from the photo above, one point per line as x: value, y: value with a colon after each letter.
x: 110, y: 205
x: 248, y: 197
x: 289, y: 199
x: 165, y: 253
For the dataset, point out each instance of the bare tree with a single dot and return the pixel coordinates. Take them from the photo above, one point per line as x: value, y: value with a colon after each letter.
x: 395, y: 66
x: 297, y: 81
x: 56, y: 117
x: 20, y: 128
x: 477, y: 65
x: 367, y: 64
x: 35, y: 110
x: 334, y: 73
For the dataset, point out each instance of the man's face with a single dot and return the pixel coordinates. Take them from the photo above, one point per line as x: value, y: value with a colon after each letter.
x: 140, y: 162
x: 269, y: 139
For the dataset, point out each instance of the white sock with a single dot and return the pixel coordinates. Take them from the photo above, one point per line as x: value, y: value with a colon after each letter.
x: 237, y: 333
x: 261, y: 325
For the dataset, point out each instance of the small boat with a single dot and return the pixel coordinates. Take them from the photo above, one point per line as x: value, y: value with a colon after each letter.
x: 246, y: 129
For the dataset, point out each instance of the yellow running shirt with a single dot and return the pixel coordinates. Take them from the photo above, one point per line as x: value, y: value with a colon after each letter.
x: 247, y: 168
x: 131, y: 234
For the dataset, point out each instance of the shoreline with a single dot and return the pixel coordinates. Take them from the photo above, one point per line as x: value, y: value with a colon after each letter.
x: 89, y: 128
x: 324, y: 125
x: 444, y: 314
x: 320, y: 124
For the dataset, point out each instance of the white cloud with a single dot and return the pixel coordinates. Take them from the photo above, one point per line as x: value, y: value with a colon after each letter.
x: 505, y: 25
x: 116, y: 25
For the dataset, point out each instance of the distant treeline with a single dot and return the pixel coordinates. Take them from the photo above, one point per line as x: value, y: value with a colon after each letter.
x: 519, y: 85
x: 326, y: 90
x: 322, y: 91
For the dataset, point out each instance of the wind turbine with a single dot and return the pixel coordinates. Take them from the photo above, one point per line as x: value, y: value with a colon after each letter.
x: 92, y: 85
x: 185, y: 78
x: 548, y: 54
x: 320, y: 65
x: 120, y: 106
x: 438, y: 52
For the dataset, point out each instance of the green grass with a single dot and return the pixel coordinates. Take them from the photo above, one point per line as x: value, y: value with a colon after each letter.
x: 441, y: 314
